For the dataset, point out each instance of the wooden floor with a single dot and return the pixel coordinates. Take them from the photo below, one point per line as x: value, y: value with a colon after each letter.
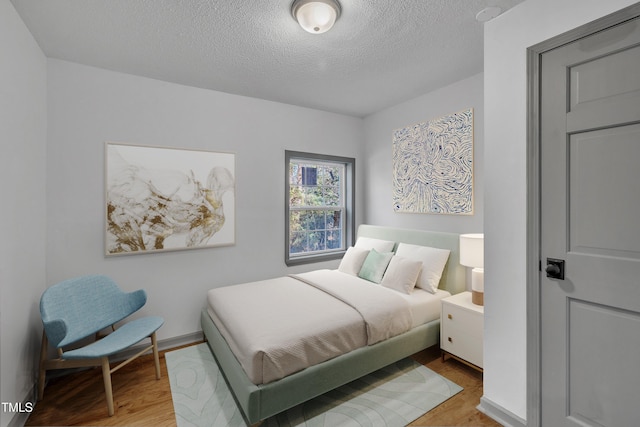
x: 141, y: 400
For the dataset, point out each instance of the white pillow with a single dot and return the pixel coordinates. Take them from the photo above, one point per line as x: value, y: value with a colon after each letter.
x: 377, y: 244
x: 433, y: 262
x: 352, y: 260
x: 402, y: 274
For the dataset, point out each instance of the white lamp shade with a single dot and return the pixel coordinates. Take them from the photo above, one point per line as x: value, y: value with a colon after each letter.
x: 472, y: 250
x: 316, y: 17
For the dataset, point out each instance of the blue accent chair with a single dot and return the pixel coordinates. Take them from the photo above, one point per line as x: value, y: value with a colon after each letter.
x: 83, y: 307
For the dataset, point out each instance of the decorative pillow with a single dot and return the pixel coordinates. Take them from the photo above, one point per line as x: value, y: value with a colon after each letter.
x: 402, y: 274
x: 352, y: 260
x: 375, y: 265
x: 433, y: 262
x: 377, y: 244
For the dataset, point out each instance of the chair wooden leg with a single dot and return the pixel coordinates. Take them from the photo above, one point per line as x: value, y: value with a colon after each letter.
x: 156, y: 357
x: 106, y: 375
x: 42, y: 370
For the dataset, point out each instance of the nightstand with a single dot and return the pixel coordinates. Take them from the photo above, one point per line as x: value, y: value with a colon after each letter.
x: 461, y: 329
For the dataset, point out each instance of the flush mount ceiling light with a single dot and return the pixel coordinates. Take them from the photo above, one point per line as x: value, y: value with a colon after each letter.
x: 316, y: 16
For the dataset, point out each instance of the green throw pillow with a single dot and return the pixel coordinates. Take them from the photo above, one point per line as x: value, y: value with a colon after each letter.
x: 375, y: 265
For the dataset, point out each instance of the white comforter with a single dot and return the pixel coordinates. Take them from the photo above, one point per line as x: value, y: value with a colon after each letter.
x: 280, y: 326
x: 385, y: 313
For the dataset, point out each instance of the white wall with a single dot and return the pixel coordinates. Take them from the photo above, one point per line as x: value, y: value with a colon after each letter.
x: 23, y: 123
x: 379, y: 127
x: 88, y: 106
x: 505, y: 85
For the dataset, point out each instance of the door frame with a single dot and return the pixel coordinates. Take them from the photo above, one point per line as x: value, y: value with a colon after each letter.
x: 534, y: 260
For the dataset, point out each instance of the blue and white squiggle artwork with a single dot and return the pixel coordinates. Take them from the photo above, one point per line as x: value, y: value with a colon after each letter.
x: 433, y: 166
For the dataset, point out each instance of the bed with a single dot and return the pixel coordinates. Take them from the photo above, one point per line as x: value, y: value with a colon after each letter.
x: 265, y: 389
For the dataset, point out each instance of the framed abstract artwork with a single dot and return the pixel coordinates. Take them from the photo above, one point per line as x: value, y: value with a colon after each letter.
x: 433, y: 166
x: 161, y: 199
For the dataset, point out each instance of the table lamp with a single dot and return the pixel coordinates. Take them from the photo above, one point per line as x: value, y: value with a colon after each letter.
x: 472, y: 255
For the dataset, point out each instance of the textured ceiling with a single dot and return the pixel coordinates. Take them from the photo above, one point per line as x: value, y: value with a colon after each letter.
x: 379, y: 53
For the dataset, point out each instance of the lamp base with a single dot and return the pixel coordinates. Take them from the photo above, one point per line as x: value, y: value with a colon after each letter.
x: 477, y: 297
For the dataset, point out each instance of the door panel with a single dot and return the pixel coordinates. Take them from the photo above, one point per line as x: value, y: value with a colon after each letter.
x: 590, y: 217
x: 603, y: 190
x: 601, y: 78
x: 601, y: 89
x: 603, y: 374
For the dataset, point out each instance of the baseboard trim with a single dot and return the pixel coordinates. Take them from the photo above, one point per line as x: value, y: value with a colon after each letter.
x: 19, y: 419
x: 498, y: 413
x: 181, y: 340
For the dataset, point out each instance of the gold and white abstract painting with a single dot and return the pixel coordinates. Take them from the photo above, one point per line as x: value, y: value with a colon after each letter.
x: 433, y: 166
x: 161, y: 199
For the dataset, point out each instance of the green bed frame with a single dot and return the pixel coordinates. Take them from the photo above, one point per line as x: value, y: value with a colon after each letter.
x: 262, y: 401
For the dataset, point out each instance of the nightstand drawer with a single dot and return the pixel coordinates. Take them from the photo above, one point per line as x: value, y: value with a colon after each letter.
x: 460, y: 318
x: 463, y: 345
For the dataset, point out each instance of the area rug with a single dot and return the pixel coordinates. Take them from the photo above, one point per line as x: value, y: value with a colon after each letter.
x: 393, y: 396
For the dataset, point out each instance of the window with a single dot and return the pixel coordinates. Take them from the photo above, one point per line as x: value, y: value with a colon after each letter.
x: 319, y: 207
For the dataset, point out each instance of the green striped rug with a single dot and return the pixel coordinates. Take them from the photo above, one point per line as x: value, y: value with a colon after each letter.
x: 393, y: 396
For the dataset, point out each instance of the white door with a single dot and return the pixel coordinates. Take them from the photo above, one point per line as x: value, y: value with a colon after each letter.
x: 590, y: 219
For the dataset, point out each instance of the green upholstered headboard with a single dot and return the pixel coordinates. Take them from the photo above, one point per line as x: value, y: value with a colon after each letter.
x: 454, y: 275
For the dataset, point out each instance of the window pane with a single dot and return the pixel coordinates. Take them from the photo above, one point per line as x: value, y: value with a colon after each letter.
x: 316, y: 241
x: 309, y: 175
x: 331, y: 175
x: 334, y: 239
x: 296, y: 197
x: 294, y: 222
x: 297, y: 242
x: 312, y: 196
x: 312, y: 241
x: 333, y: 219
x: 332, y: 196
x: 312, y: 220
x: 295, y: 177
